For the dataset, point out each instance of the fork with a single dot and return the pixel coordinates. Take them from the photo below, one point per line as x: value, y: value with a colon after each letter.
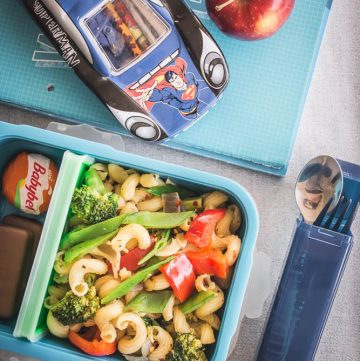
x: 340, y: 218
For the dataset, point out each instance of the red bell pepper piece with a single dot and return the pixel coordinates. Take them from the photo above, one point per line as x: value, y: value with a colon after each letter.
x: 209, y: 261
x: 91, y: 343
x: 202, y: 228
x: 131, y: 259
x: 180, y: 274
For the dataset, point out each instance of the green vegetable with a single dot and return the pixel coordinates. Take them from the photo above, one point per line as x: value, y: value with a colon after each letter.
x: 92, y: 203
x: 149, y: 322
x: 159, y: 245
x: 127, y: 285
x: 191, y: 204
x: 158, y: 219
x: 170, y: 188
x: 93, y: 180
x: 186, y: 348
x: 83, y: 248
x: 149, y: 302
x: 91, y: 232
x: 147, y: 219
x: 61, y: 279
x: 73, y: 309
x: 196, y: 301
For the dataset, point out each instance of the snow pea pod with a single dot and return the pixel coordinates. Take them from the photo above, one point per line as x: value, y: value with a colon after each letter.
x: 91, y: 232
x: 83, y: 248
x: 147, y: 219
x: 127, y: 285
x: 196, y: 301
x: 159, y: 245
x: 149, y: 302
x: 158, y: 220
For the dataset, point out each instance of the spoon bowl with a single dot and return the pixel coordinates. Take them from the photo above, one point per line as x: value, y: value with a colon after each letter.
x: 319, y: 181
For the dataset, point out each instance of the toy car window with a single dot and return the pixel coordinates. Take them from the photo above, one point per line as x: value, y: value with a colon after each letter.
x: 125, y: 30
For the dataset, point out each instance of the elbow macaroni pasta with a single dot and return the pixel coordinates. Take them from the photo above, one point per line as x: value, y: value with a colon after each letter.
x: 57, y: 291
x: 79, y: 269
x: 205, y: 334
x: 127, y: 190
x: 180, y: 323
x: 204, y: 283
x: 163, y: 341
x: 215, y: 199
x: 128, y: 345
x: 129, y: 232
x: 168, y: 310
x: 55, y: 327
x: 223, y: 226
x: 107, y: 251
x: 129, y: 207
x: 236, y: 221
x: 233, y: 249
x: 156, y: 283
x: 177, y: 244
x: 140, y: 195
x: 103, y: 317
x: 151, y: 180
x: 213, y: 320
x: 109, y: 286
x: 151, y: 205
x: 212, y: 305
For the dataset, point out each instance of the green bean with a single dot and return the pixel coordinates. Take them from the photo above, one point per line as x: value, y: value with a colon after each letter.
x: 126, y: 286
x: 158, y: 220
x: 159, y: 245
x: 196, y: 301
x: 83, y: 248
x: 91, y: 232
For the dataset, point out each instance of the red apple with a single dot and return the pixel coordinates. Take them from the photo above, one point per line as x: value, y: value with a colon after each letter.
x: 249, y: 19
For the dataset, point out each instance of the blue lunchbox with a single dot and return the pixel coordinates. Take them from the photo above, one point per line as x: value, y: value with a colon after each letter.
x: 69, y: 153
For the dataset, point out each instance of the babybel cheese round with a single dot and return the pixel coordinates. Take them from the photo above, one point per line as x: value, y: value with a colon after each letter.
x: 28, y: 182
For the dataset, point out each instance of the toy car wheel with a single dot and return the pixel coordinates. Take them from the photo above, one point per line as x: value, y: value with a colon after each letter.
x: 215, y: 70
x: 144, y: 129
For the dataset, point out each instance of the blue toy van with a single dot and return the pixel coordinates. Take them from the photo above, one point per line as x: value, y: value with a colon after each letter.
x: 151, y: 62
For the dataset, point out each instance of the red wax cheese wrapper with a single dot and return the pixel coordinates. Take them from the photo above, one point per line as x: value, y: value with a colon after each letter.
x: 28, y: 182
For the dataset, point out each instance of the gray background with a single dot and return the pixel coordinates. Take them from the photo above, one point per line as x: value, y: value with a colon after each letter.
x: 330, y: 125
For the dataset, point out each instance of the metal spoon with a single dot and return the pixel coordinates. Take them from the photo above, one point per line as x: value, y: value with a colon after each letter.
x: 320, y: 182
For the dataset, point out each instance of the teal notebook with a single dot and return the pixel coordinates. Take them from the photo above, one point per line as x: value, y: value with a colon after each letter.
x: 255, y: 123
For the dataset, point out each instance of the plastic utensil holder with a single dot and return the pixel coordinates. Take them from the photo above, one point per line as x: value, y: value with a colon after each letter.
x: 312, y: 273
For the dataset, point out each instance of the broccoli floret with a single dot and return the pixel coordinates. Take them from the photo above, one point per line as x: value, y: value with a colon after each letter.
x: 186, y: 348
x: 73, y: 309
x: 92, y: 203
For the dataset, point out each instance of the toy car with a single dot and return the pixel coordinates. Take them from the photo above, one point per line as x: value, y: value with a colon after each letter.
x: 151, y: 62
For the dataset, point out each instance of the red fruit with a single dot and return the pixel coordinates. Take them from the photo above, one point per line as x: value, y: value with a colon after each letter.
x: 249, y: 19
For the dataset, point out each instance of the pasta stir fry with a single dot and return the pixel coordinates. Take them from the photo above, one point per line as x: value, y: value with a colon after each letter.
x: 143, y: 267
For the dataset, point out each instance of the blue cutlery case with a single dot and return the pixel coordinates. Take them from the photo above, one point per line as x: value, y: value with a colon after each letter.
x: 310, y: 279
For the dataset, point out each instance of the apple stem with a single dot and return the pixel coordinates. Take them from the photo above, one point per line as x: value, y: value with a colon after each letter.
x: 222, y: 6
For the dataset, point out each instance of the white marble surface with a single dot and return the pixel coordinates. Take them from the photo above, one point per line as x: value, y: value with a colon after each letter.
x: 330, y: 125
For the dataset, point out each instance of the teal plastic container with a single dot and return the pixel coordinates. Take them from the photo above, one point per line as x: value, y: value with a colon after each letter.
x: 14, y: 139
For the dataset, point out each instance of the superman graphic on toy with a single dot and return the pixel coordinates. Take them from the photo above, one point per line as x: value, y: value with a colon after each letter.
x: 173, y: 87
